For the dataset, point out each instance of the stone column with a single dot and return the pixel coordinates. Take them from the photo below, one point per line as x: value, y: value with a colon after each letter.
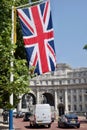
x: 83, y: 101
x: 66, y: 101
x: 56, y: 103
x: 37, y: 95
x: 77, y: 96
x: 71, y: 100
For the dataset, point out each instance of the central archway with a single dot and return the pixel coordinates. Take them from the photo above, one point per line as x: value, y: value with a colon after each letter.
x: 48, y: 98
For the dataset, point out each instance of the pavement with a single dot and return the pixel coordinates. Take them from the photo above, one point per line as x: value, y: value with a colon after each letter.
x: 3, y: 126
x: 83, y: 119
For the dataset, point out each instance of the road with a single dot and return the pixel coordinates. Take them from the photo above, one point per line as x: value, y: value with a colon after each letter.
x: 19, y: 124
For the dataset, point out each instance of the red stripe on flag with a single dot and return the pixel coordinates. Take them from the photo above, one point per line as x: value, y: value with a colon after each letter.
x: 45, y: 12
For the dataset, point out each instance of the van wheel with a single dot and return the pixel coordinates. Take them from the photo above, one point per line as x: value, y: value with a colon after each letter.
x: 58, y: 125
x: 36, y: 125
x: 49, y: 125
x: 30, y: 124
x: 78, y: 126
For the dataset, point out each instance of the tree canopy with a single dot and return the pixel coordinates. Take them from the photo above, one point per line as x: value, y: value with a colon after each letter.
x: 85, y: 47
x: 20, y: 69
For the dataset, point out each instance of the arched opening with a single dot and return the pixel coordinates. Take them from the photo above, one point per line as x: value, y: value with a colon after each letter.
x: 28, y: 100
x: 48, y: 98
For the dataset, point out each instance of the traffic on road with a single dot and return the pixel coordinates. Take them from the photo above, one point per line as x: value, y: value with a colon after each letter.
x: 25, y: 125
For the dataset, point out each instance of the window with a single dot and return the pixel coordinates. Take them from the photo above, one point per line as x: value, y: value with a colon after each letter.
x: 77, y: 81
x: 74, y: 90
x: 80, y: 107
x: 74, y: 98
x: 85, y: 106
x: 74, y: 81
x: 60, y: 82
x: 71, y: 81
x: 86, y: 91
x: 80, y: 98
x: 82, y: 81
x: 80, y: 90
x: 86, y: 98
x: 69, y: 108
x: 75, y: 107
x: 79, y: 74
x: 69, y: 90
x: 52, y: 82
x: 69, y: 99
x: 68, y: 81
x: 61, y: 91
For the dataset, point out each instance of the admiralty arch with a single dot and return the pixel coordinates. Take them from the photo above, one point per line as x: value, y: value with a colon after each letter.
x: 65, y: 87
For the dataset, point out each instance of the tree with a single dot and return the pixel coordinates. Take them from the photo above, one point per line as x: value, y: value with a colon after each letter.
x: 85, y: 47
x: 20, y: 69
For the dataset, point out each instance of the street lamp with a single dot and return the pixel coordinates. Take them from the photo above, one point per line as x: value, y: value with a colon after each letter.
x: 61, y: 99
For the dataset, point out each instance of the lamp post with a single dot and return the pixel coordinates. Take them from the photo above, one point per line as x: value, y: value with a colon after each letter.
x: 13, y: 40
x: 61, y: 99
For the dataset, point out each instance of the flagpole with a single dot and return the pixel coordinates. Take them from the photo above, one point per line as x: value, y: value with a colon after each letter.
x: 13, y: 40
x: 30, y: 3
x: 11, y: 64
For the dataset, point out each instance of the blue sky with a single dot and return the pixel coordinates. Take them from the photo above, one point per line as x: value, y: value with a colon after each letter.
x: 70, y: 29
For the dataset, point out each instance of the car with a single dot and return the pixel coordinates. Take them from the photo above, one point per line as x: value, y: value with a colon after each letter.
x: 19, y: 114
x: 69, y: 120
x: 14, y: 114
x: 26, y: 116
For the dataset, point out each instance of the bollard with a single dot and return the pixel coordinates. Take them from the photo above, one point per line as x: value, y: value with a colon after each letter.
x: 10, y: 119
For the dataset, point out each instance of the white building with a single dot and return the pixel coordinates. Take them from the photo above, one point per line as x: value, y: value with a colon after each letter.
x: 65, y: 86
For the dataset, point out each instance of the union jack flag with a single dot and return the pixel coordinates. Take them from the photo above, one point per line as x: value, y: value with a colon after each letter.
x: 38, y: 36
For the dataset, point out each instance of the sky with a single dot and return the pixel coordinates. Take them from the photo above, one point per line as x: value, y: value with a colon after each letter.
x: 70, y: 31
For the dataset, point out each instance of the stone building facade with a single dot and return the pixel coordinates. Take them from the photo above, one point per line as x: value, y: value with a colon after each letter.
x: 66, y: 86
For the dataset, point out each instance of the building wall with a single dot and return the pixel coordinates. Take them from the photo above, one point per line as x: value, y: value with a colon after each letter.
x: 65, y: 85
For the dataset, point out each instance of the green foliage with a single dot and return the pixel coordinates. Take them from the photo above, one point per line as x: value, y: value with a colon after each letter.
x: 85, y: 47
x: 20, y: 69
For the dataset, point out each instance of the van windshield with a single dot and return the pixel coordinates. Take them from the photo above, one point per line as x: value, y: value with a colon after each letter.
x: 44, y: 110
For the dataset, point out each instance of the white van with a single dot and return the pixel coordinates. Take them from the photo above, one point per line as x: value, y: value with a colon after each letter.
x: 42, y: 115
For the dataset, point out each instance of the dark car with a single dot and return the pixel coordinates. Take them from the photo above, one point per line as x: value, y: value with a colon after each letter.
x: 26, y: 116
x: 19, y: 114
x: 69, y: 120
